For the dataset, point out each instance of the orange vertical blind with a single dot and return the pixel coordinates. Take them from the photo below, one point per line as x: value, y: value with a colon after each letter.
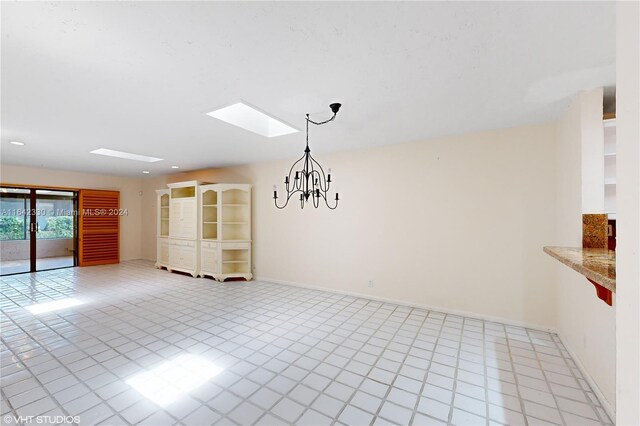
x: 99, y: 227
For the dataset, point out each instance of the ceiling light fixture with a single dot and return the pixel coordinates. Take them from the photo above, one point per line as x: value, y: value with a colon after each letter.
x: 252, y: 119
x: 125, y: 155
x: 306, y: 177
x: 175, y: 167
x: 18, y: 143
x: 146, y: 172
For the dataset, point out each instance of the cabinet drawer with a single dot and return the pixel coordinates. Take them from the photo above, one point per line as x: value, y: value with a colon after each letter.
x: 209, y: 245
x: 227, y: 246
x: 185, y: 243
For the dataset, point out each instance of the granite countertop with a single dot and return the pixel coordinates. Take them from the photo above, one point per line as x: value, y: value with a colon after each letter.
x: 597, y: 264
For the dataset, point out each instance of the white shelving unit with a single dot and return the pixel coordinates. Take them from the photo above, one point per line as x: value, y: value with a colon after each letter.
x: 162, y: 233
x: 205, y: 230
x: 225, y: 248
x: 610, y: 167
x: 178, y: 228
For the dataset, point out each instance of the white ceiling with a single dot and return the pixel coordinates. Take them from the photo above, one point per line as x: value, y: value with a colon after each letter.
x: 140, y: 76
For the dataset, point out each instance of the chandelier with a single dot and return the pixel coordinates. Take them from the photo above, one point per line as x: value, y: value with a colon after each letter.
x: 306, y: 177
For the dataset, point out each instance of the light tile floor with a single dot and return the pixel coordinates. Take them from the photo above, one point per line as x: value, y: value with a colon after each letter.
x: 283, y: 355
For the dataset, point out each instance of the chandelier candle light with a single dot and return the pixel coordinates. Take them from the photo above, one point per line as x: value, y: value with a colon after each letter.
x: 306, y: 177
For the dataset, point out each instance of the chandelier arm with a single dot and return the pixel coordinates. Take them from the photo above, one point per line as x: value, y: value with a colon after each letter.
x: 326, y: 201
x: 294, y: 165
x: 289, y: 195
x: 326, y: 185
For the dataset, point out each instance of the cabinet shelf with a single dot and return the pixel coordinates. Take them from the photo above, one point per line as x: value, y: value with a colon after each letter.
x: 209, y: 222
x: 235, y: 261
x: 234, y: 223
x: 209, y: 205
x: 234, y: 205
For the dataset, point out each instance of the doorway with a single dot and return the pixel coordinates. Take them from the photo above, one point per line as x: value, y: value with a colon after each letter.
x: 38, y: 229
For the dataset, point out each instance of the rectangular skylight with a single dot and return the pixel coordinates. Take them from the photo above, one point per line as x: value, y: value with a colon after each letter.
x: 56, y: 305
x: 174, y: 379
x: 125, y: 155
x: 252, y: 119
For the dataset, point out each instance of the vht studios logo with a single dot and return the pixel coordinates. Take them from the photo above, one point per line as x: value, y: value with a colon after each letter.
x: 38, y: 420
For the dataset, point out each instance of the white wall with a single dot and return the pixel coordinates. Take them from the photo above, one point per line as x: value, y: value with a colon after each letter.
x: 585, y: 323
x: 456, y: 223
x: 628, y: 223
x: 130, y: 236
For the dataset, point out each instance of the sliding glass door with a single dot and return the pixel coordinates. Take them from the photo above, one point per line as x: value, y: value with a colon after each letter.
x: 38, y: 229
x: 15, y: 236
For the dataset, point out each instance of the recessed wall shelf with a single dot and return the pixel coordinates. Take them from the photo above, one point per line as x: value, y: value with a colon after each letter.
x: 609, y: 129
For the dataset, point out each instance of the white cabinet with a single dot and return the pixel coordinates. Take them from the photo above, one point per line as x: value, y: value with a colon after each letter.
x: 184, y: 219
x: 162, y: 230
x: 183, y: 211
x: 177, y: 242
x: 209, y: 259
x: 225, y: 211
x: 205, y: 230
x: 182, y: 256
x: 162, y: 255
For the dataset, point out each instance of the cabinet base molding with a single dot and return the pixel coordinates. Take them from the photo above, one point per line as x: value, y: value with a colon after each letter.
x: 223, y: 277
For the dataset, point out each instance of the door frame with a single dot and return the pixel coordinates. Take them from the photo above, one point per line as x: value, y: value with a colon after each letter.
x: 33, y: 224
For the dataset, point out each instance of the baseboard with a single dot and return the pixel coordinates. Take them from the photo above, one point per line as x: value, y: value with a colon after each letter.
x: 474, y: 315
x: 610, y: 409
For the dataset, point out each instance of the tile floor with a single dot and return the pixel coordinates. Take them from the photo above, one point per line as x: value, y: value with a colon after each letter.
x: 261, y: 353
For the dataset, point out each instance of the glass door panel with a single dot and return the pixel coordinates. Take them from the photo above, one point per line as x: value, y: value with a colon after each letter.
x: 14, y: 231
x: 38, y: 230
x: 55, y: 229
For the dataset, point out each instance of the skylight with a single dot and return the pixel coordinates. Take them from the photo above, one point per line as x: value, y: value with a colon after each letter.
x: 125, y: 155
x: 56, y: 305
x: 174, y: 379
x: 253, y: 120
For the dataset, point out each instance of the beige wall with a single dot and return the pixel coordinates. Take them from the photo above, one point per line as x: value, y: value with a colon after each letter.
x: 628, y: 224
x: 456, y: 223
x: 129, y: 188
x: 585, y: 323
